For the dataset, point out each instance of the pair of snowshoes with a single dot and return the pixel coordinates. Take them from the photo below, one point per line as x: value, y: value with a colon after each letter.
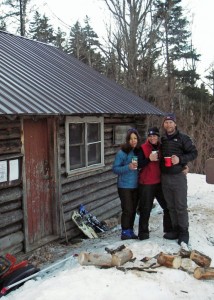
x: 88, y: 223
x: 97, y: 225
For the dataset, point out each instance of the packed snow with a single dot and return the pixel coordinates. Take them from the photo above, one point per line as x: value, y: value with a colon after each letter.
x: 70, y: 280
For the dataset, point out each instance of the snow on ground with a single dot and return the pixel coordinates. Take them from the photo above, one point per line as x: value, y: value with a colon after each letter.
x: 70, y: 280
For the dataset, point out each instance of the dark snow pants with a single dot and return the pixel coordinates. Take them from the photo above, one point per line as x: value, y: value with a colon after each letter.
x: 147, y: 194
x: 129, y: 202
x: 175, y: 192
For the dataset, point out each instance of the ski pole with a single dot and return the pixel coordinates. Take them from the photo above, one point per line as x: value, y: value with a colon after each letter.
x: 5, y: 289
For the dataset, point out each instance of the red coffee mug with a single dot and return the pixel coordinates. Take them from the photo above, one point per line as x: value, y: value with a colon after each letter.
x: 168, y: 161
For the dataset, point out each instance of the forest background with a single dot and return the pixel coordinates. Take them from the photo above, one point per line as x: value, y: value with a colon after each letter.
x: 148, y: 49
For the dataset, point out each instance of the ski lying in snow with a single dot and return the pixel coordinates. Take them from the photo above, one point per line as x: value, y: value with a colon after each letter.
x: 83, y: 225
x: 15, y: 279
x: 20, y: 276
x: 92, y: 220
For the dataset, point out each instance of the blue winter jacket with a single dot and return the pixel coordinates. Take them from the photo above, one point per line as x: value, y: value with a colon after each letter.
x: 126, y: 178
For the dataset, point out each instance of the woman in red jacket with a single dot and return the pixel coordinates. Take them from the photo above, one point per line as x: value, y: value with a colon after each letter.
x: 150, y: 184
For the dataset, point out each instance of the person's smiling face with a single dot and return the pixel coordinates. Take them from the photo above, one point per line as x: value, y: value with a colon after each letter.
x: 169, y: 126
x: 133, y: 140
x: 153, y: 139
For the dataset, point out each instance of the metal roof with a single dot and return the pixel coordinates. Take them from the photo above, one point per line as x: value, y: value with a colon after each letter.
x: 36, y: 78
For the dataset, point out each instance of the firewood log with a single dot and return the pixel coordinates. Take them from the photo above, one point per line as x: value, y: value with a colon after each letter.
x: 204, y: 273
x: 188, y: 265
x: 105, y: 260
x: 120, y: 258
x: 95, y: 259
x: 169, y: 261
x: 200, y: 259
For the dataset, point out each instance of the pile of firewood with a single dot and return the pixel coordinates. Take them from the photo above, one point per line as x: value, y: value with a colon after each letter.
x: 202, y: 269
x: 193, y: 262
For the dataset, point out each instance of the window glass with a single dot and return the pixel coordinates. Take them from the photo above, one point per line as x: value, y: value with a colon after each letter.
x: 77, y: 157
x: 94, y: 154
x: 84, y: 143
x: 76, y: 133
x: 93, y: 132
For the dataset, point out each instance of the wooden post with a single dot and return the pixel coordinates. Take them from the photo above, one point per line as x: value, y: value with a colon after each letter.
x: 204, y: 273
x: 200, y: 259
x: 169, y: 261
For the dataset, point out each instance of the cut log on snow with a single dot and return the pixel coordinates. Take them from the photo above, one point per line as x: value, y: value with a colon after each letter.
x: 120, y: 258
x: 188, y: 265
x: 95, y: 259
x: 204, y: 273
x: 169, y: 261
x: 105, y: 260
x: 200, y: 259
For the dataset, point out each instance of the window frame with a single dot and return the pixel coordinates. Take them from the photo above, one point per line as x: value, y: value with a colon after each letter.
x: 85, y: 121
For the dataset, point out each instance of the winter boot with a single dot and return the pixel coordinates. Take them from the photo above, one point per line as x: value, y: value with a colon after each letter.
x: 183, y: 238
x: 133, y: 235
x: 173, y: 235
x: 143, y: 236
x: 128, y: 234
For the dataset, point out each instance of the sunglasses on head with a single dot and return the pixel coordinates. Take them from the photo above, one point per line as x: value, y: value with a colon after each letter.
x: 132, y: 130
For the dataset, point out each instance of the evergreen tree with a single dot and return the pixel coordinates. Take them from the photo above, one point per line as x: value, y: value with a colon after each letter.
x: 76, y: 41
x: 3, y: 25
x: 177, y: 46
x: 83, y: 44
x: 210, y: 78
x: 60, y: 40
x: 41, y: 30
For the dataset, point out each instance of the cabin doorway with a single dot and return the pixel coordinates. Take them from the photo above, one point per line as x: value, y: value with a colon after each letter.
x: 40, y: 202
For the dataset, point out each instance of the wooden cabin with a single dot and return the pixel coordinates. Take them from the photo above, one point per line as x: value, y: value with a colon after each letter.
x: 61, y: 124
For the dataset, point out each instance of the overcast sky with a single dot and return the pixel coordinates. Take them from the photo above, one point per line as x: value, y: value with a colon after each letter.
x: 66, y: 12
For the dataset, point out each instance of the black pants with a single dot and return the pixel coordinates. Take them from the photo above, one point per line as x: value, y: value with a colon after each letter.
x: 175, y: 192
x: 129, y: 202
x: 147, y: 194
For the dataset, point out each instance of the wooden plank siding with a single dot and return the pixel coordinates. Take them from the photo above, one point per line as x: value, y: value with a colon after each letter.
x: 11, y: 212
x: 96, y: 189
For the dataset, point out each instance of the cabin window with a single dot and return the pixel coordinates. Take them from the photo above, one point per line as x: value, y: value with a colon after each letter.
x: 120, y: 133
x: 84, y: 144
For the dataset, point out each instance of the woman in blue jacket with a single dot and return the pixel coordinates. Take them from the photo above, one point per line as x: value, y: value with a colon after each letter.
x: 126, y: 169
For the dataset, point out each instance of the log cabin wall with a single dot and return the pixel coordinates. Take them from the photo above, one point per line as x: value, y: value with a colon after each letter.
x: 11, y: 212
x: 97, y: 190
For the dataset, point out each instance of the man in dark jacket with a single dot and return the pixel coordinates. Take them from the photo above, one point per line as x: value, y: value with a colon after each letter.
x: 179, y: 149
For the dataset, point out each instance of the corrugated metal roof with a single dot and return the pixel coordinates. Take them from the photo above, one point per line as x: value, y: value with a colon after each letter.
x: 36, y: 78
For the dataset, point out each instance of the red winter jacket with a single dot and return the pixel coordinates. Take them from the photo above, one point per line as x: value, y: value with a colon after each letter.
x: 150, y: 174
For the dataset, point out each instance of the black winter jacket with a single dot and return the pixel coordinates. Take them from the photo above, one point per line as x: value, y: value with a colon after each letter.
x: 178, y: 144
